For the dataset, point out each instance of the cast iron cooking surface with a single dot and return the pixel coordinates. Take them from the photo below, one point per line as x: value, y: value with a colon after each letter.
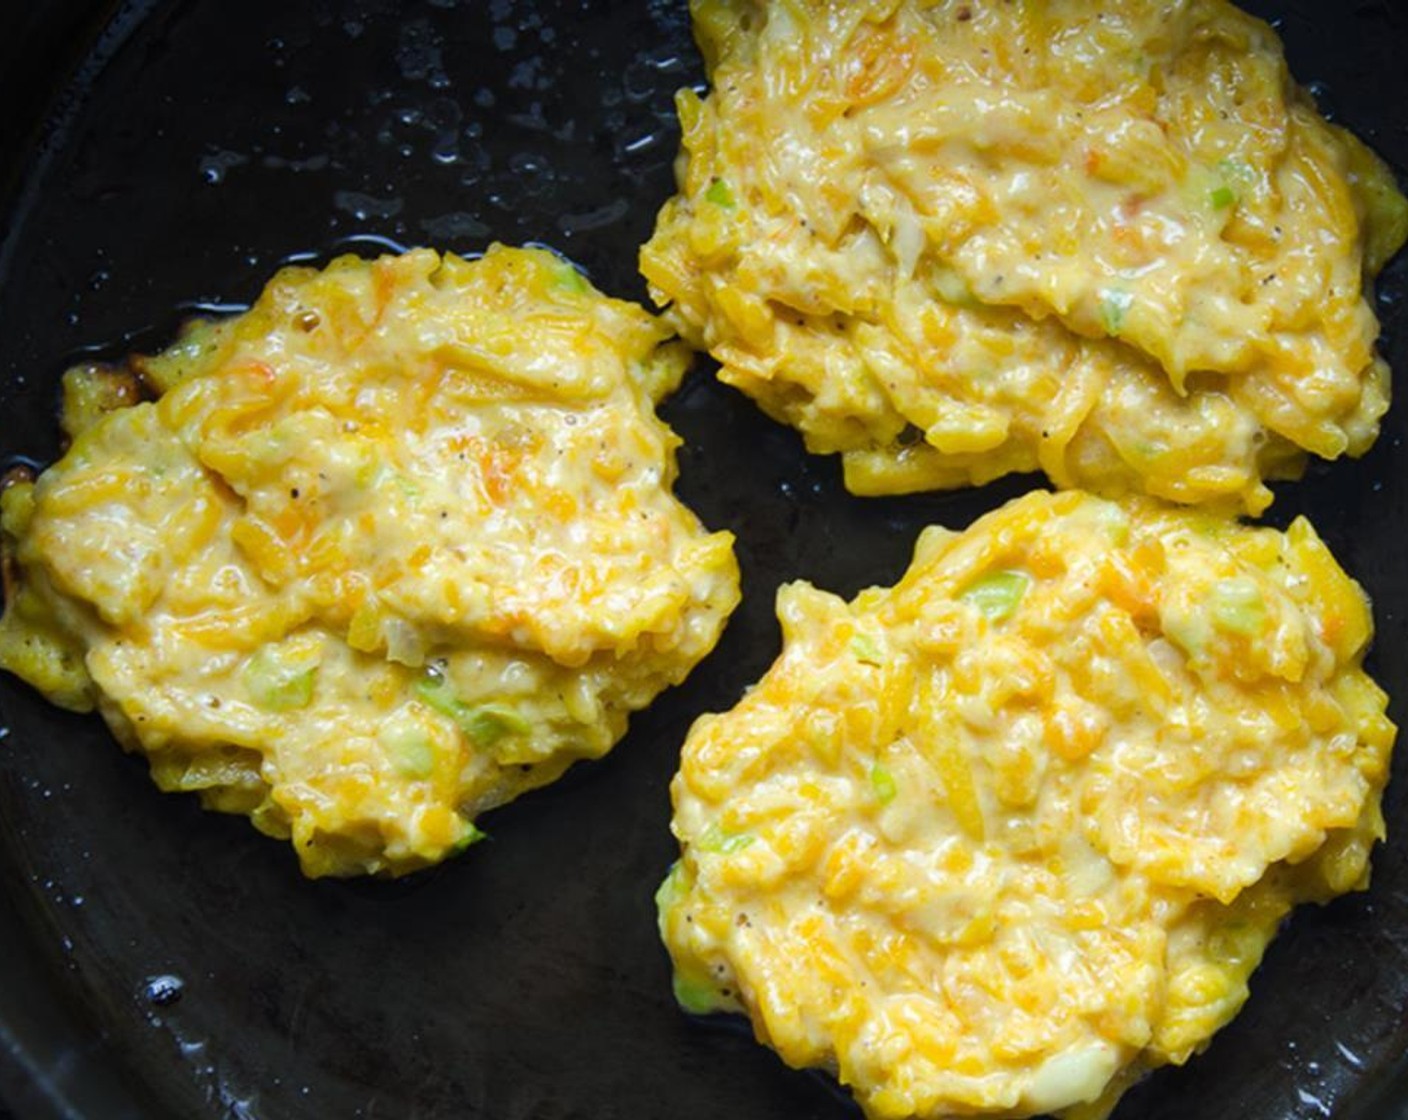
x: 162, y: 961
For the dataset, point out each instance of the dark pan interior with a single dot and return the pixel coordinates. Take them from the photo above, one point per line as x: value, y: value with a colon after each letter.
x: 158, y: 961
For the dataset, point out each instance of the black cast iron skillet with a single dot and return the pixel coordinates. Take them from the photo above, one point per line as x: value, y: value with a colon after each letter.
x: 162, y: 156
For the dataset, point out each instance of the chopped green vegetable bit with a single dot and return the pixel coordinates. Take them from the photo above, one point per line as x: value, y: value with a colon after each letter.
x: 432, y: 689
x: 719, y: 194
x: 483, y: 724
x: 409, y: 747
x: 671, y: 890
x: 867, y: 650
x: 473, y: 835
x: 488, y: 723
x: 1223, y: 197
x: 572, y: 280
x: 1189, y: 632
x: 717, y: 839
x: 996, y: 594
x: 1114, y: 305
x: 693, y: 996
x: 416, y: 759
x: 952, y: 287
x: 1238, y: 607
x: 883, y: 783
x: 279, y: 683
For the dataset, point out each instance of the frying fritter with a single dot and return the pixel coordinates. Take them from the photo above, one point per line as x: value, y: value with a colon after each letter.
x: 950, y: 241
x: 389, y: 549
x: 1000, y: 838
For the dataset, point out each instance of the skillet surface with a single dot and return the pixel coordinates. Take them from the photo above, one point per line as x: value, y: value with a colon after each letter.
x: 159, y: 961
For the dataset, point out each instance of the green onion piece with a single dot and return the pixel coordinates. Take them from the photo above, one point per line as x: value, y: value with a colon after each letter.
x: 473, y: 835
x: 1114, y: 305
x: 409, y: 747
x: 716, y: 839
x: 488, y: 723
x: 1238, y: 607
x: 951, y: 286
x: 277, y: 684
x: 719, y: 194
x: 694, y: 997
x: 671, y: 890
x: 996, y: 594
x: 1189, y: 632
x: 867, y: 650
x: 416, y: 759
x: 883, y: 783
x: 435, y: 692
x: 483, y: 724
x: 569, y: 279
x: 1222, y: 197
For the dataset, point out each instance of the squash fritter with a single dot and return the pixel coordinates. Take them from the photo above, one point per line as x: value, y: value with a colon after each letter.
x: 950, y: 241
x: 998, y: 839
x: 389, y: 549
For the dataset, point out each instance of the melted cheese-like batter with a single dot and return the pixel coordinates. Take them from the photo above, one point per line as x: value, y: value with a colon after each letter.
x: 389, y: 549
x: 998, y: 839
x: 1113, y: 242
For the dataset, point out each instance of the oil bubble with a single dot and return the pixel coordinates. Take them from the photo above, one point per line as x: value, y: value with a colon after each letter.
x: 163, y: 990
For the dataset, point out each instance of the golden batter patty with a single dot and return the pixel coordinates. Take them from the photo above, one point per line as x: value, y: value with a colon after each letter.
x: 1000, y: 838
x: 1114, y: 242
x: 390, y: 548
